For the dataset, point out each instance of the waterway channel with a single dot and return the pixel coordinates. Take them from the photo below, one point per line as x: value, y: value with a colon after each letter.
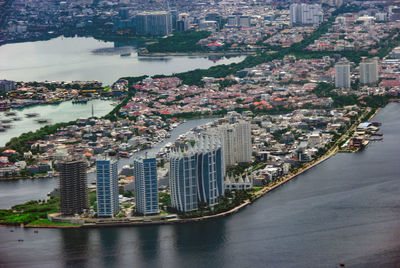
x: 345, y: 210
x: 18, y: 191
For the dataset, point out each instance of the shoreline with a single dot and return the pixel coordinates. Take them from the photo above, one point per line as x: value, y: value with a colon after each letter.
x: 260, y: 194
x: 200, y: 53
x: 257, y: 195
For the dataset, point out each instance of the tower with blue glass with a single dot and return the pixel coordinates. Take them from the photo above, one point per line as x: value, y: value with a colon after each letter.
x: 146, y: 186
x: 107, y: 188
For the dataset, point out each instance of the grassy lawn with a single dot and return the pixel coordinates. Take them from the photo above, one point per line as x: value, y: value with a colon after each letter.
x: 46, y: 222
x: 29, y: 211
x: 255, y: 189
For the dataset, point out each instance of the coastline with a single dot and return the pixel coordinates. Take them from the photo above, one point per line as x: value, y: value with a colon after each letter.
x: 258, y: 195
x: 221, y: 53
x: 262, y: 192
x: 29, y: 178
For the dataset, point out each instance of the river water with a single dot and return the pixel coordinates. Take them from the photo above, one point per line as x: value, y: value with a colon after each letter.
x: 347, y: 210
x: 67, y: 59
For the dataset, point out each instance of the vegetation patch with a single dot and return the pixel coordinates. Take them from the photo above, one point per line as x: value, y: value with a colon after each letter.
x: 30, y: 211
x: 46, y: 222
x: 180, y: 42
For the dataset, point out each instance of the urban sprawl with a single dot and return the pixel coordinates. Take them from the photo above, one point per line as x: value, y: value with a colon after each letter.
x: 317, y: 74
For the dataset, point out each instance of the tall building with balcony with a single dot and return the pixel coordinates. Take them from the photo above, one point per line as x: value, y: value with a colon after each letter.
x: 244, y: 147
x: 210, y: 169
x: 196, y: 174
x: 146, y: 186
x: 236, y: 141
x: 73, y: 187
x: 183, y: 180
x: 154, y: 23
x: 107, y: 188
x: 342, y: 75
x: 369, y: 71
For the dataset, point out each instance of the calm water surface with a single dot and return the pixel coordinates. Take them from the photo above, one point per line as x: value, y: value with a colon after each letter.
x: 345, y: 210
x: 66, y: 59
x: 63, y: 112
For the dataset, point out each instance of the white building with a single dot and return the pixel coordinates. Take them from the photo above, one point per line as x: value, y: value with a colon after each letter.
x: 228, y: 136
x: 244, y: 147
x: 342, y: 75
x: 236, y: 141
x: 241, y: 184
x: 154, y: 23
x: 369, y: 71
x: 305, y: 14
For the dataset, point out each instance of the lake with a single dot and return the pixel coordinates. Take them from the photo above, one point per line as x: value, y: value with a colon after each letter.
x: 85, y: 58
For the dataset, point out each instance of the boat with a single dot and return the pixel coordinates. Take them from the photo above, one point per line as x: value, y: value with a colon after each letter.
x: 6, y: 126
x: 10, y: 113
x: 6, y: 121
x: 2, y: 129
x: 31, y: 114
x: 17, y: 118
x: 53, y: 102
x: 125, y: 54
x: 79, y: 101
x: 42, y: 120
x: 124, y: 154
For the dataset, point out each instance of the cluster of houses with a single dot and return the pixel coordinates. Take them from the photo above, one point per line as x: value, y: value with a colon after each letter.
x: 353, y: 31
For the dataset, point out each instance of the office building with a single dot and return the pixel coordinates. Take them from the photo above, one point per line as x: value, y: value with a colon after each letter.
x: 244, y: 21
x: 73, y: 187
x: 154, y: 23
x: 306, y: 14
x: 342, y: 75
x: 182, y: 24
x: 107, y: 188
x: 238, y: 20
x: 394, y: 13
x: 213, y: 17
x: 369, y: 71
x: 146, y: 186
